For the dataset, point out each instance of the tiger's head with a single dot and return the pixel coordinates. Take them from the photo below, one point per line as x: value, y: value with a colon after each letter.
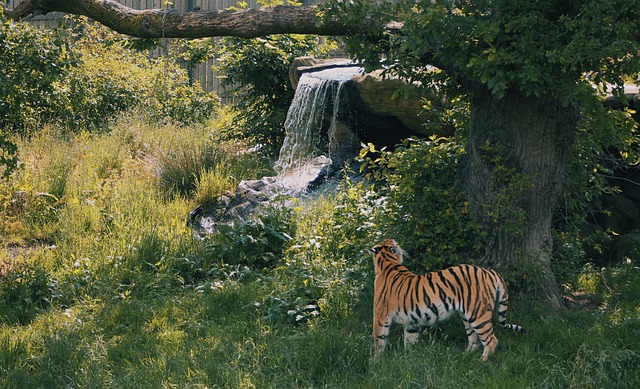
x: 391, y: 247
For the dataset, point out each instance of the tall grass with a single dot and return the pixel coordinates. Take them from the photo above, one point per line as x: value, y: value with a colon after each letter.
x: 121, y: 295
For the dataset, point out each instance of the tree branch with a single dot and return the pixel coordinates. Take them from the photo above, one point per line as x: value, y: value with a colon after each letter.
x: 157, y: 23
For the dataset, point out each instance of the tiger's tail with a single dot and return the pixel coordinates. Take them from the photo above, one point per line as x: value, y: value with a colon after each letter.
x: 503, y: 302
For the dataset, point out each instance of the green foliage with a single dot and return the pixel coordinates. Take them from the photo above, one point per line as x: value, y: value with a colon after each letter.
x: 179, y: 171
x: 30, y: 203
x: 618, y: 286
x: 257, y: 243
x: 606, y: 141
x: 294, y: 297
x: 84, y: 84
x: 540, y: 48
x: 25, y: 290
x: 424, y: 209
x: 8, y: 156
x: 32, y: 60
x: 81, y: 77
x: 548, y: 50
x: 112, y: 78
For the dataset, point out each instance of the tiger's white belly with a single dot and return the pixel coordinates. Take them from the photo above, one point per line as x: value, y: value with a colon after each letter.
x: 423, y: 316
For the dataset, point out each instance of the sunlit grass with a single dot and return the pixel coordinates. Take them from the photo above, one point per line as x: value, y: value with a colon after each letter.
x: 119, y: 294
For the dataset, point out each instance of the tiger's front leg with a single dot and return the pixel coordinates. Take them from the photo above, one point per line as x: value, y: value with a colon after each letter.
x: 380, y: 334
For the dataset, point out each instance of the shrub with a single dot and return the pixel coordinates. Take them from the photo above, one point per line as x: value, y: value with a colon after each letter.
x: 46, y: 79
x: 25, y: 290
x: 178, y: 172
x: 112, y: 78
x: 8, y: 156
x: 258, y: 242
x: 32, y: 61
x: 294, y: 296
x: 425, y: 211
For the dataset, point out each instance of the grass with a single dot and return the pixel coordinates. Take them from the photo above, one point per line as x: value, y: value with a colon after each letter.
x: 102, y: 285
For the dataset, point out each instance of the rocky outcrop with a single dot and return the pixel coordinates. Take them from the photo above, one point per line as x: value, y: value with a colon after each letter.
x: 378, y: 109
x: 230, y: 206
x: 386, y: 97
x: 251, y: 196
x: 302, y: 65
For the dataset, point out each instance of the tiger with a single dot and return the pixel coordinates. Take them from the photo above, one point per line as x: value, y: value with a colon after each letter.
x: 418, y: 301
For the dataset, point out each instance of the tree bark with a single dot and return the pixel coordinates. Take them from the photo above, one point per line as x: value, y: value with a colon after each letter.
x: 513, y: 175
x: 158, y: 23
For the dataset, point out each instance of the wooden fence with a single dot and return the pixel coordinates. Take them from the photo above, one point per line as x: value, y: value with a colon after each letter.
x: 203, y: 73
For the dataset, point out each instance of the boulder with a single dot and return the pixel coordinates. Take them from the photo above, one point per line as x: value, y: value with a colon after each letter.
x: 251, y: 196
x: 229, y: 207
x: 302, y: 65
x: 379, y: 109
x: 388, y: 97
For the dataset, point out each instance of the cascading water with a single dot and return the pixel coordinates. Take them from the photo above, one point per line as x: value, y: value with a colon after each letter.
x: 304, y: 152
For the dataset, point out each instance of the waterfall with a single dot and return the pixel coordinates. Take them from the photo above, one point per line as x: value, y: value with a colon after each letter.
x: 304, y: 152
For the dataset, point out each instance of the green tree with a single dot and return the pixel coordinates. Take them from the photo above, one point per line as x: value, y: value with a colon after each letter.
x: 530, y: 71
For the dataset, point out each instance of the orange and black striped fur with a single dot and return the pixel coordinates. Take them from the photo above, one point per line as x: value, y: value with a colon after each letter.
x: 417, y: 301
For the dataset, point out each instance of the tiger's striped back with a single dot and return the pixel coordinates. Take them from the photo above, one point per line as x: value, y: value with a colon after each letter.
x: 417, y: 301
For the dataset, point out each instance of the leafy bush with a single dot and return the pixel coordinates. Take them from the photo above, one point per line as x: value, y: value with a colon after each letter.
x: 32, y: 61
x: 294, y: 296
x: 46, y: 79
x: 606, y: 142
x: 258, y: 243
x: 619, y: 285
x: 112, y: 78
x: 425, y: 211
x: 8, y: 156
x: 25, y: 290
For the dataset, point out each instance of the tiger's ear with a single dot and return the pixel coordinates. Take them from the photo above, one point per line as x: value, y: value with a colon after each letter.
x: 374, y: 250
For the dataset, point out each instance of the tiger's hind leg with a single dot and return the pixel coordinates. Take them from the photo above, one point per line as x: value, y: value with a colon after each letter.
x: 410, y: 335
x: 474, y: 341
x: 483, y: 327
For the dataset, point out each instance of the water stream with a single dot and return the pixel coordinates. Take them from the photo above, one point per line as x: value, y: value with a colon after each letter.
x: 305, y: 152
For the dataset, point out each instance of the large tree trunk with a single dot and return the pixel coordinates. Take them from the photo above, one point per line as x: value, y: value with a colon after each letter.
x: 513, y: 176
